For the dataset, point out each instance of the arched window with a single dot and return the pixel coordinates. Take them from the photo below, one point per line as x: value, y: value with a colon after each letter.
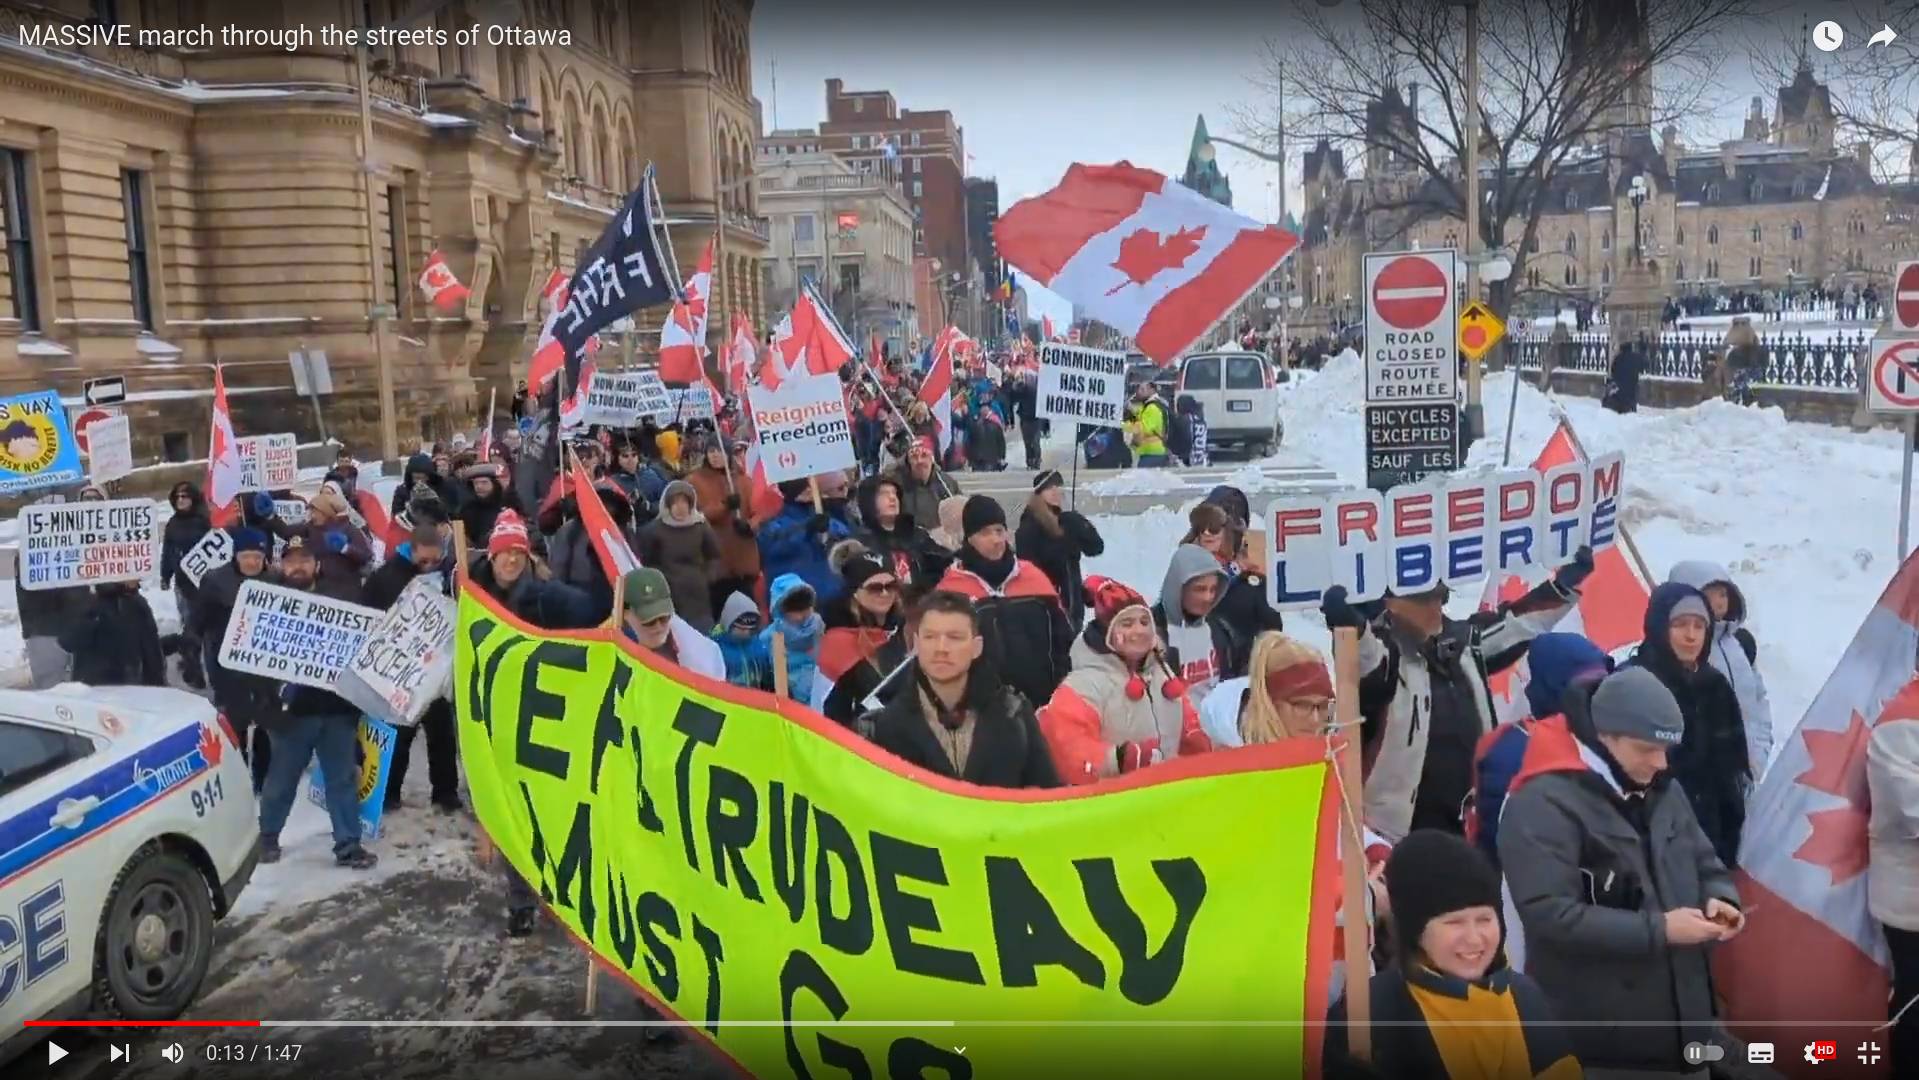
x: 1679, y: 234
x: 1679, y: 270
x: 1605, y: 240
x: 1712, y: 234
x: 576, y: 150
x: 1758, y: 233
x: 1572, y: 243
x: 1572, y: 274
x: 1605, y: 274
x: 1712, y: 192
x: 1754, y: 265
x: 1572, y: 200
x: 1798, y: 230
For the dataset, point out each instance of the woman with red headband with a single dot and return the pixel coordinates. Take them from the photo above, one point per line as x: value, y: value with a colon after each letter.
x: 1121, y: 707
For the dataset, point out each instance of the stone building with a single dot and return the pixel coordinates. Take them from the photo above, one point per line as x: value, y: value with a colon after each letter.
x: 1781, y: 207
x: 164, y: 208
x: 924, y: 148
x: 825, y: 213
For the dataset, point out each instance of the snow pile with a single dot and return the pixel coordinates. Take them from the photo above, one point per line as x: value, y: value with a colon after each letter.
x: 1138, y: 482
x: 1324, y: 417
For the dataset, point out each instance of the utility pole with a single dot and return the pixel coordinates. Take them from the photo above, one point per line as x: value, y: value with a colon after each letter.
x: 389, y: 410
x: 1474, y: 418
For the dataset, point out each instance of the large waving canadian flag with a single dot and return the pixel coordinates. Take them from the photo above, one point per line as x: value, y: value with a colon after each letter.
x: 549, y: 356
x: 223, y: 459
x: 816, y: 340
x: 440, y: 287
x: 1144, y: 254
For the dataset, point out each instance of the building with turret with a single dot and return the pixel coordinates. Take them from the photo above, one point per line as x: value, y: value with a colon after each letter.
x: 1204, y: 176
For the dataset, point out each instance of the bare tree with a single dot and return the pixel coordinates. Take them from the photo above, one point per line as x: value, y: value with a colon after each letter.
x: 1874, y: 89
x: 1554, y: 79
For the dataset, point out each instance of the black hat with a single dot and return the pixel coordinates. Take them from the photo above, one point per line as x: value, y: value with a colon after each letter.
x: 862, y: 566
x: 1432, y: 873
x: 981, y: 512
x: 1048, y: 478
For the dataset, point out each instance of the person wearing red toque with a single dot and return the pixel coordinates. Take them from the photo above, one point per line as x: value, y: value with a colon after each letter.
x: 1121, y: 707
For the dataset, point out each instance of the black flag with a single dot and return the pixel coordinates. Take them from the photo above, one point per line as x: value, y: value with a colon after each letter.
x: 621, y: 273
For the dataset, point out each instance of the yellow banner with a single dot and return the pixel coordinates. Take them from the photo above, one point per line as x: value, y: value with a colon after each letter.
x: 819, y: 908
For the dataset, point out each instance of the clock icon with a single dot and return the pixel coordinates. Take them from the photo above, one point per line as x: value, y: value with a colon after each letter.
x: 1828, y: 36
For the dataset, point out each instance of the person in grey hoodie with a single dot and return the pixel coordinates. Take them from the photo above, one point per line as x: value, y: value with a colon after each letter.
x: 1734, y: 653
x: 1616, y: 885
x: 1199, y: 645
x: 681, y: 545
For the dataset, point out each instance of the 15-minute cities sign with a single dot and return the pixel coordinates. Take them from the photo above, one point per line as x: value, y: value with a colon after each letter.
x: 1412, y: 348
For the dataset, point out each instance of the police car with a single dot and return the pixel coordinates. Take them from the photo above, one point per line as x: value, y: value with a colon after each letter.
x: 127, y: 826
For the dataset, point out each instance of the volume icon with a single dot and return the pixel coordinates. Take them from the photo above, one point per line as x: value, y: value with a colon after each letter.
x: 173, y: 1053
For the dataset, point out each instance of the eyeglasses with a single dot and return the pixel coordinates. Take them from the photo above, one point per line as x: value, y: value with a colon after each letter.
x: 881, y: 588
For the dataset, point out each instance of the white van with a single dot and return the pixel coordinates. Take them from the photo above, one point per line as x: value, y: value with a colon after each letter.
x: 1237, y: 391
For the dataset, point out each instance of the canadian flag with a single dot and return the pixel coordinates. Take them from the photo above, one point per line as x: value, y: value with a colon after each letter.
x: 549, y: 356
x: 573, y: 409
x: 682, y: 346
x: 440, y: 287
x: 937, y: 390
x: 741, y: 355
x: 1147, y: 255
x: 1072, y: 336
x: 609, y: 544
x: 814, y: 338
x: 1612, y: 602
x: 1811, y: 953
x: 223, y: 459
x: 699, y: 290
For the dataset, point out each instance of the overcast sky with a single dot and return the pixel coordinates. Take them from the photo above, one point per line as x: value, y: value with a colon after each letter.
x: 1039, y: 85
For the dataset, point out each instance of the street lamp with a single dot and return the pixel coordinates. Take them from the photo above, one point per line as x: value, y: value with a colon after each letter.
x: 1636, y: 194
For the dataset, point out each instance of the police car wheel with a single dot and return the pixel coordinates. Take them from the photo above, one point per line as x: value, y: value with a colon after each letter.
x: 156, y: 937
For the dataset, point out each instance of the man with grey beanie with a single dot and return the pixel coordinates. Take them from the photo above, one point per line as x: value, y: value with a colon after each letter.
x: 1615, y: 884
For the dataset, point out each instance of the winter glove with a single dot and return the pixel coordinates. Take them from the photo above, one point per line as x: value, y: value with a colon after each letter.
x: 336, y: 542
x: 262, y: 504
x: 819, y: 523
x: 743, y: 527
x: 166, y: 584
x: 1574, y: 574
x: 733, y: 503
x: 1136, y: 755
x: 1338, y: 612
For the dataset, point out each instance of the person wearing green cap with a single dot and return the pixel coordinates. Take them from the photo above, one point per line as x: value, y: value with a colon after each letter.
x: 651, y: 622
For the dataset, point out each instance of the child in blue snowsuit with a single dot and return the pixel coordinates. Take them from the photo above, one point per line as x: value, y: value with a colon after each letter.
x: 748, y: 655
x: 795, y: 619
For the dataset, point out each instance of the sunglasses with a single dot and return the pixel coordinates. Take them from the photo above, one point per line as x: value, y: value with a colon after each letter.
x: 880, y: 588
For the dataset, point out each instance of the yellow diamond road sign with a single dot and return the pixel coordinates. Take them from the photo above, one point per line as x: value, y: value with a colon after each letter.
x: 1479, y: 330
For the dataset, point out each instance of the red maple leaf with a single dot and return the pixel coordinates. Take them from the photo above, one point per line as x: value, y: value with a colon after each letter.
x: 1838, y: 761
x: 1144, y: 253
x: 1838, y: 842
x: 211, y: 745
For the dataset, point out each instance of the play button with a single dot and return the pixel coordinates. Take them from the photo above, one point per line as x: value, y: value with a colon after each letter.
x: 1410, y: 293
x: 1906, y: 297
x: 54, y: 1053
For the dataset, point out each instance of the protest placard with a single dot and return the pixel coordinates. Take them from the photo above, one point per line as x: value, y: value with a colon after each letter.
x: 110, y: 449
x: 214, y: 550
x: 37, y: 448
x: 291, y: 511
x: 1414, y: 537
x: 1082, y: 386
x: 377, y: 741
x: 406, y: 661
x: 294, y: 636
x: 619, y: 399
x: 268, y: 462
x: 688, y: 403
x: 88, y: 543
x: 802, y: 428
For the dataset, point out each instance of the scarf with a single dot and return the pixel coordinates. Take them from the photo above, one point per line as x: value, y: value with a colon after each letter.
x: 992, y: 571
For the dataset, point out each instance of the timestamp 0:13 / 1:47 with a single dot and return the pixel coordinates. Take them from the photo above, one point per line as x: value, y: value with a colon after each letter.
x: 251, y: 1051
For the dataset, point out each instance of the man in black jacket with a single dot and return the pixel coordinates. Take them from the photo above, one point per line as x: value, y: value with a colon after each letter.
x: 188, y: 526
x: 424, y: 554
x: 315, y: 723
x: 249, y: 702
x: 953, y: 717
x: 895, y: 536
x: 1023, y: 394
x: 114, y: 642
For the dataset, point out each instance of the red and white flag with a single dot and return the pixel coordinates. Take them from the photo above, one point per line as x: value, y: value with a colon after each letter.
x: 741, y: 355
x: 1812, y: 953
x: 699, y: 290
x: 1046, y: 327
x: 814, y: 338
x: 1072, y: 336
x: 486, y: 433
x: 1612, y: 602
x: 223, y: 459
x: 609, y: 544
x: 440, y: 287
x: 682, y: 346
x: 549, y: 356
x: 573, y: 409
x: 937, y: 390
x: 1147, y: 255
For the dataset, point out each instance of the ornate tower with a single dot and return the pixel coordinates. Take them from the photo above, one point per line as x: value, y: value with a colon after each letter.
x: 1204, y: 176
x: 1610, y: 48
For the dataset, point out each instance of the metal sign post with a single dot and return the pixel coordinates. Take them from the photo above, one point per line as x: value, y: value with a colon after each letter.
x: 1905, y: 489
x: 1892, y: 386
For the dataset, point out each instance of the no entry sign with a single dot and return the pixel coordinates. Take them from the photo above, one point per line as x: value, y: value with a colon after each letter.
x: 1412, y: 346
x: 1905, y: 296
x: 1895, y: 375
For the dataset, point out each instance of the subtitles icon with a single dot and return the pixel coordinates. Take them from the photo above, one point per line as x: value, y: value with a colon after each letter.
x: 1759, y: 1053
x: 1822, y: 1051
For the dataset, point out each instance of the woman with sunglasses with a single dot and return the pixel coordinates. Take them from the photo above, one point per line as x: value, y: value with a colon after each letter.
x: 864, y: 638
x: 1243, y: 606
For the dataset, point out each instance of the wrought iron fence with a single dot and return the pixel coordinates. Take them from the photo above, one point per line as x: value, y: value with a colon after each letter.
x: 1827, y: 362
